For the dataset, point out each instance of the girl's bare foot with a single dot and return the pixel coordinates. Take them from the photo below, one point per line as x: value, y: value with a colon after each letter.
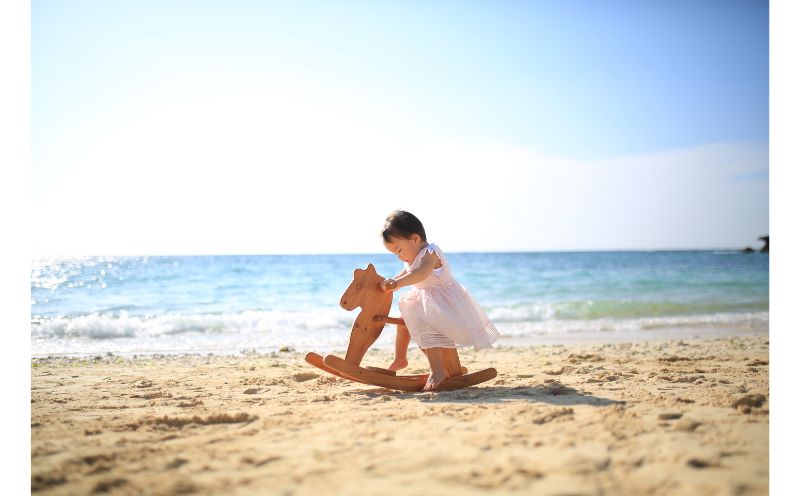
x: 398, y: 364
x: 434, y: 380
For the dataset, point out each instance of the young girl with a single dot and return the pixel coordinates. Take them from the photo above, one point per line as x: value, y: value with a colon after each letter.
x: 438, y: 312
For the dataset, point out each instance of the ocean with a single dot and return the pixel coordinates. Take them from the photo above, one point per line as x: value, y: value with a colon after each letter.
x: 260, y: 304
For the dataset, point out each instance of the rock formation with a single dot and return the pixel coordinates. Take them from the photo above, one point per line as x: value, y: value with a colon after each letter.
x: 765, y: 248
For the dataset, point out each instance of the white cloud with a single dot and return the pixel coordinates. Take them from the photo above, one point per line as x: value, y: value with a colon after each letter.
x: 273, y: 171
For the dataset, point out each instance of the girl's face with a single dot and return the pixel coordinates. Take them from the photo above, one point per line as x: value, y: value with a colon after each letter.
x: 405, y: 249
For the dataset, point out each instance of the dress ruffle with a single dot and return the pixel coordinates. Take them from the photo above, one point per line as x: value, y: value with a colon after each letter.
x: 431, y: 248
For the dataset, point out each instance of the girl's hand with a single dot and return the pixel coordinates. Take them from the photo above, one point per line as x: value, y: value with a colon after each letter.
x: 388, y: 285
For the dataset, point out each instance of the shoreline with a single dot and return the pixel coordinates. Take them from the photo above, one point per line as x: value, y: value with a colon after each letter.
x: 505, y: 341
x: 656, y: 417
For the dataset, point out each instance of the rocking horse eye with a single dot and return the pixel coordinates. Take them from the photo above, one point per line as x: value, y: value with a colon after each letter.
x: 359, y: 286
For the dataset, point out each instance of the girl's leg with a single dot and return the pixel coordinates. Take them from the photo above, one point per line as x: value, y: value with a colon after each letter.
x: 401, y: 341
x: 438, y: 372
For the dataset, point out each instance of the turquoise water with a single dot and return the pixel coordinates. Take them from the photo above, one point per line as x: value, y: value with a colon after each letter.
x: 230, y: 304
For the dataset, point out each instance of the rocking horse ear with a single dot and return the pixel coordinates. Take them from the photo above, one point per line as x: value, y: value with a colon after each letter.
x: 371, y: 268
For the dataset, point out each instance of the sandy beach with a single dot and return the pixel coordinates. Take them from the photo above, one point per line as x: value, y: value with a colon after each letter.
x: 664, y: 417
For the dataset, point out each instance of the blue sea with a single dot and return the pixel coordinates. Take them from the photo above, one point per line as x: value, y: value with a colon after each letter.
x: 244, y: 304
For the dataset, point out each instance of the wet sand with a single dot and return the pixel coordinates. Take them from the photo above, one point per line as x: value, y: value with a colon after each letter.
x: 666, y: 417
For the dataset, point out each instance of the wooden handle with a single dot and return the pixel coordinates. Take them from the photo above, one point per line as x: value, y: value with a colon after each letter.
x: 390, y: 320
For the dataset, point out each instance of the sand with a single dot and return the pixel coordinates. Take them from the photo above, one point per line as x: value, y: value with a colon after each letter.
x: 665, y: 417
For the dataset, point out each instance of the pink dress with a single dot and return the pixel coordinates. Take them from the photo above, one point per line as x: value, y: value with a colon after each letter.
x: 441, y: 313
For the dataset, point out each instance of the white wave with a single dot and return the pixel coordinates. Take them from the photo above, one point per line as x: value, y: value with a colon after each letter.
x: 321, y: 330
x: 522, y: 313
x: 96, y: 326
x: 599, y: 310
x: 757, y: 320
x: 312, y: 324
x: 262, y: 332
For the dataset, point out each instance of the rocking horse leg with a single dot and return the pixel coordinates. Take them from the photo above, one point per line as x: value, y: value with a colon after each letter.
x: 360, y: 341
x: 452, y: 364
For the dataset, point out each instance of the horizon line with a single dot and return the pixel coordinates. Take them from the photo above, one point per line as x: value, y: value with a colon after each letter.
x: 476, y: 252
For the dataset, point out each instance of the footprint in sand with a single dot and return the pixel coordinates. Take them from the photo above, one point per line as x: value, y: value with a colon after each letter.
x: 178, y: 462
x: 259, y: 381
x: 93, y: 459
x: 40, y: 482
x: 702, y: 463
x: 221, y: 418
x: 682, y: 379
x: 263, y: 461
x: 180, y: 422
x: 686, y: 425
x: 152, y: 396
x: 304, y: 376
x: 143, y: 383
x: 494, y: 477
x: 550, y: 389
x: 604, y: 378
x: 549, y: 417
x: 578, y: 358
x: 583, y: 465
x: 748, y: 402
x: 109, y: 485
x: 673, y: 359
x: 560, y: 371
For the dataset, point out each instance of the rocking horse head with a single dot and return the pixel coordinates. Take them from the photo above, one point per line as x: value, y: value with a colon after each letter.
x: 365, y: 290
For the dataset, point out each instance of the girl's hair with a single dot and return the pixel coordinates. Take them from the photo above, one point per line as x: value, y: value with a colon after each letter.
x: 402, y: 224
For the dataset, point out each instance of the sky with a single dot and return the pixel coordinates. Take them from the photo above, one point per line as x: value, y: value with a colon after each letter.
x: 296, y: 127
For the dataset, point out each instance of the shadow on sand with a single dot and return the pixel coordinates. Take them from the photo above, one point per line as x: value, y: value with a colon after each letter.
x: 554, y: 394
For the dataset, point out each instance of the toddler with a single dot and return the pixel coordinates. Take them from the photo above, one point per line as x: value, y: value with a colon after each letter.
x: 438, y: 312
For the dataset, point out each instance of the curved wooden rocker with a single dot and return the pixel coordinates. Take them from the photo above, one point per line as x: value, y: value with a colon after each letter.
x: 365, y: 292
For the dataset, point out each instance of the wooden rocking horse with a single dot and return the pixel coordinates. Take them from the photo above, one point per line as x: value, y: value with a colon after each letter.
x: 365, y: 292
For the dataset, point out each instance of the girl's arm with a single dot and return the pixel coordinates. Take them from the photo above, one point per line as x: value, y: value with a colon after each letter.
x: 426, y: 266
